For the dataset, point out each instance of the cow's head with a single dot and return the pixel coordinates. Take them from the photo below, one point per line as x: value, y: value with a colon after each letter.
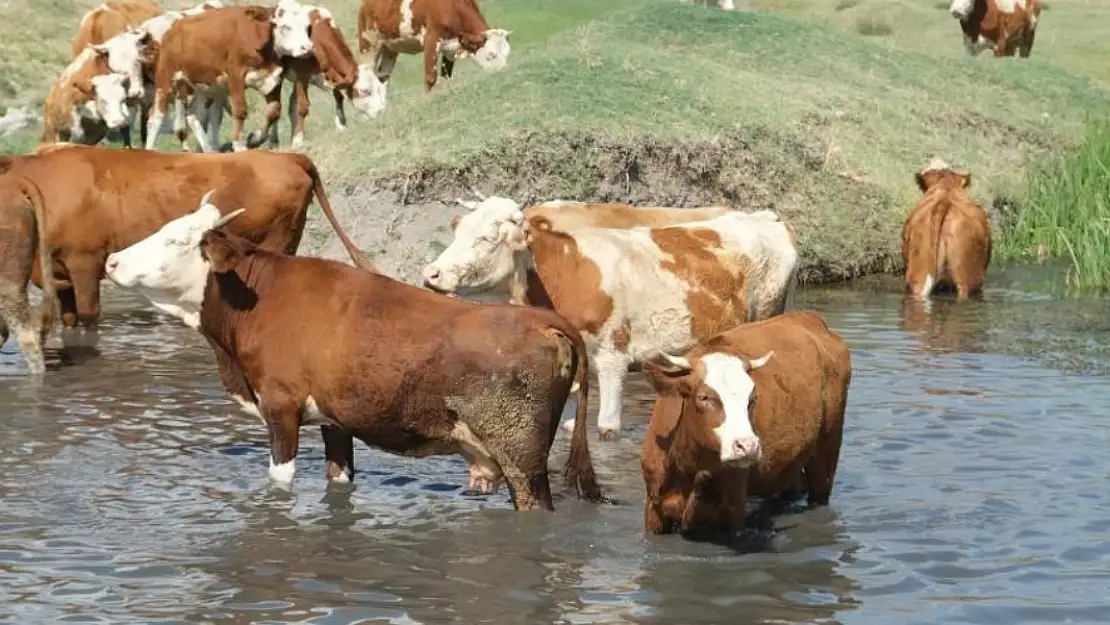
x: 961, y: 9
x: 715, y: 392
x: 938, y: 173
x: 126, y: 53
x: 291, y: 27
x: 109, y: 95
x: 482, y: 256
x: 368, y: 95
x: 490, y: 48
x: 168, y: 267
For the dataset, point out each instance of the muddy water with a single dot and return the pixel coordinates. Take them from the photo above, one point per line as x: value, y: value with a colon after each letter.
x: 972, y: 489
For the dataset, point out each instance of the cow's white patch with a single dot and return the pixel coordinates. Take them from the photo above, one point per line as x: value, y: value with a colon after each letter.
x: 477, y: 455
x: 298, y: 141
x: 1009, y: 6
x: 248, y: 407
x: 265, y: 80
x: 725, y: 374
x: 283, y: 472
x: 406, y: 26
x: 311, y: 414
x: 927, y: 288
x: 727, y: 5
x: 570, y: 410
x: 342, y: 478
x: 961, y: 9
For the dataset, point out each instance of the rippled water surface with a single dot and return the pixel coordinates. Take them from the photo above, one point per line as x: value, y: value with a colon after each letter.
x: 972, y: 489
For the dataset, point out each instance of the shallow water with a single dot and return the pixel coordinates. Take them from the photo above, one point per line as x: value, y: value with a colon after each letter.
x: 971, y: 489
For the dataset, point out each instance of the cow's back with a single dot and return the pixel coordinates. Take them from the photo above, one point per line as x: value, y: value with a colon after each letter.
x: 566, y: 216
x: 206, y: 45
x: 112, y: 18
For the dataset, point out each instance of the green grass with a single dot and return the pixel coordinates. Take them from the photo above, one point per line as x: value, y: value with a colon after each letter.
x: 1067, y: 214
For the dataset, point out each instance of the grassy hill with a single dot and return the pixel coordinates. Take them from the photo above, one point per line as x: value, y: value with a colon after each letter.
x: 651, y: 100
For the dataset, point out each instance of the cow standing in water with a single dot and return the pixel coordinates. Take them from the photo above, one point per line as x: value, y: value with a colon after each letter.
x: 304, y: 341
x: 1007, y: 26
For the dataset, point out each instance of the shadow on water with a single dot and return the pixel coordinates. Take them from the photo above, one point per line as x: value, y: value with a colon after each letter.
x: 971, y: 489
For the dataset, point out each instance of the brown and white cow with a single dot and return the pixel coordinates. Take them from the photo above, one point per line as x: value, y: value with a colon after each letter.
x: 308, y: 340
x: 100, y: 200
x: 224, y: 51
x: 946, y: 239
x: 331, y: 67
x: 111, y: 18
x: 449, y: 29
x: 566, y: 215
x: 22, y: 232
x: 1007, y: 26
x: 750, y: 411
x: 87, y: 100
x: 630, y: 292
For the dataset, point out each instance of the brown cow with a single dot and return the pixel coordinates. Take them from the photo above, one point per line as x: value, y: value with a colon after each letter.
x: 1008, y: 26
x: 308, y: 340
x: 101, y: 200
x: 331, y: 67
x: 112, y: 18
x: 227, y: 50
x: 946, y: 239
x: 745, y: 412
x: 22, y: 231
x: 86, y: 101
x: 449, y: 28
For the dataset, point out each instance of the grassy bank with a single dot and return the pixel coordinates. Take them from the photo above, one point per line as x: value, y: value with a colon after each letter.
x: 654, y: 101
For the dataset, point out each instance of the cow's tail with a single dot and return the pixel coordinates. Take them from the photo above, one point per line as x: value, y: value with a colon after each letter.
x: 940, y: 213
x: 360, y: 259
x: 579, y: 468
x: 48, y: 313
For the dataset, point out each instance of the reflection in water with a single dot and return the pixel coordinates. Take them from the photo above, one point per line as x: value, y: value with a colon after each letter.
x: 971, y: 489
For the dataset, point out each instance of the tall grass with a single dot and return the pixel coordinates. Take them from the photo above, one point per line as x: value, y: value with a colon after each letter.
x: 1067, y: 213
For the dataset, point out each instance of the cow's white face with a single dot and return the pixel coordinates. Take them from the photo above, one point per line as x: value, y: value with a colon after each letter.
x: 494, y: 53
x: 961, y: 9
x: 291, y: 36
x: 369, y: 93
x: 481, y: 258
x: 110, y: 91
x: 167, y: 267
x: 125, y: 56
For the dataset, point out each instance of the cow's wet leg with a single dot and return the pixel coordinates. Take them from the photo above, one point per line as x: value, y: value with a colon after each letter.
x: 339, y: 454
x: 283, y: 421
x: 85, y: 273
x: 612, y: 367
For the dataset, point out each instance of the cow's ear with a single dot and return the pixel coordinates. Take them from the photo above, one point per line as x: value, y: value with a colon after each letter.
x: 259, y: 13
x: 455, y: 222
x: 919, y: 178
x: 84, y: 87
x: 221, y: 253
x: 965, y: 180
x: 667, y: 379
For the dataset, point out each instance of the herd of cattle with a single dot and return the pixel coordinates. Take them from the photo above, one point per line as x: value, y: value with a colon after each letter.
x: 751, y: 394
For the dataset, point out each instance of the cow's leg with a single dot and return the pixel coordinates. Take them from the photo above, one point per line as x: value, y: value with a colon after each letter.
x: 339, y: 452
x: 144, y: 112
x: 214, y: 117
x: 612, y: 367
x: 431, y: 39
x: 383, y: 64
x: 157, y: 114
x: 84, y: 272
x: 125, y: 135
x: 237, y: 97
x: 269, y: 128
x: 446, y: 66
x: 298, y: 111
x: 1026, y: 45
x: 283, y: 419
x: 181, y: 122
x: 15, y: 313
x: 198, y: 129
x: 340, y: 114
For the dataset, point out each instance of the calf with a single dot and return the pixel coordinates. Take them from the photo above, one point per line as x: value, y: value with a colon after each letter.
x: 22, y: 231
x: 101, y: 200
x: 308, y: 340
x: 331, y: 67
x: 227, y: 50
x: 946, y: 239
x: 1005, y: 25
x: 87, y: 100
x: 450, y: 29
x: 112, y: 18
x: 747, y: 411
x: 630, y: 292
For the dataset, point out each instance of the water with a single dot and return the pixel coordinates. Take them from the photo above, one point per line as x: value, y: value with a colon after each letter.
x: 971, y: 490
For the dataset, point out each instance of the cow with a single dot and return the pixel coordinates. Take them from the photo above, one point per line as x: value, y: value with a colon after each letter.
x: 308, y: 340
x: 101, y: 200
x: 567, y: 215
x: 1007, y: 26
x: 110, y: 19
x: 630, y: 291
x: 22, y: 231
x: 726, y: 5
x: 750, y: 411
x: 451, y: 29
x: 331, y: 67
x: 86, y: 101
x: 220, y: 53
x: 946, y: 238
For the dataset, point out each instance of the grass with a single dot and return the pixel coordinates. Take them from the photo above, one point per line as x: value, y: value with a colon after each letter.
x: 786, y: 108
x: 1067, y: 214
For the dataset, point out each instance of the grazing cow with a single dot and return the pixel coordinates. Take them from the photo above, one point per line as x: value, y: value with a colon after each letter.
x: 22, y: 231
x: 101, y: 200
x: 630, y: 292
x: 112, y: 18
x: 300, y: 341
x: 946, y: 239
x: 749, y: 411
x: 224, y: 51
x: 331, y: 67
x: 1005, y: 25
x: 86, y: 101
x: 451, y: 29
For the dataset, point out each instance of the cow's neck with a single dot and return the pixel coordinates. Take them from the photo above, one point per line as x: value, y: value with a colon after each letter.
x: 470, y: 18
x: 229, y: 300
x: 549, y: 270
x: 693, y: 444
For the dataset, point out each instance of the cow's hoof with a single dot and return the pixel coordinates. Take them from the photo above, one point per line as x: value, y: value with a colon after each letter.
x: 607, y: 434
x: 568, y: 425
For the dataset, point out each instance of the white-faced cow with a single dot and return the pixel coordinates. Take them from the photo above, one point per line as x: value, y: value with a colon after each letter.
x: 299, y: 341
x: 1007, y: 26
x: 630, y: 292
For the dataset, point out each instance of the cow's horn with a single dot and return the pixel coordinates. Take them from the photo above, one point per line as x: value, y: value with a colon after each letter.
x: 759, y: 362
x: 226, y: 218
x: 677, y: 361
x: 207, y: 196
